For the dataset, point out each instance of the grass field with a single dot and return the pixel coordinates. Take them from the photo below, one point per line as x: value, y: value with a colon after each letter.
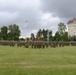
x: 28, y: 61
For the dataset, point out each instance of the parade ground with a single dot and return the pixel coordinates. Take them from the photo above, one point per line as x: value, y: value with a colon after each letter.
x: 30, y: 61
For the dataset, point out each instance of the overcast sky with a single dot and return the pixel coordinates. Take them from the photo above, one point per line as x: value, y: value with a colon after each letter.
x: 32, y: 15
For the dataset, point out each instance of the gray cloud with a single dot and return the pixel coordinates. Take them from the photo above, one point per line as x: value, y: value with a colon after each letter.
x: 37, y: 13
x: 18, y: 11
x: 61, y: 8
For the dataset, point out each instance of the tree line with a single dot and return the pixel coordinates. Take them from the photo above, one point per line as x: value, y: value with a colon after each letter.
x: 47, y: 35
x: 12, y: 32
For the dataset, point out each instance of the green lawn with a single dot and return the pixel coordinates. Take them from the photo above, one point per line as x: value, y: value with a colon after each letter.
x: 28, y: 61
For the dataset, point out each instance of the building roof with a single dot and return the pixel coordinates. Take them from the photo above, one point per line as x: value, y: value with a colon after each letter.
x: 72, y: 21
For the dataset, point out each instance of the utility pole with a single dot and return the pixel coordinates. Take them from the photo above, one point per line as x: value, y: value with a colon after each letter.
x: 48, y: 35
x: 48, y: 31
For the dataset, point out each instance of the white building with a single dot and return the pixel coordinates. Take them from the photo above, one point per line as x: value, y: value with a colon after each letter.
x: 72, y: 27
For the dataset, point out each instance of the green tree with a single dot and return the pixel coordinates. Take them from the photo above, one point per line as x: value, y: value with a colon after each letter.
x: 14, y: 32
x: 73, y: 38
x: 57, y: 37
x: 32, y: 36
x: 39, y: 33
x: 0, y: 36
x: 65, y: 36
x: 50, y: 35
x: 44, y: 32
x: 4, y: 33
x: 61, y: 28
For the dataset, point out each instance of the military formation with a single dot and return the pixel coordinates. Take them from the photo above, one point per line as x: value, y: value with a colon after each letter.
x: 38, y: 44
x: 14, y: 43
